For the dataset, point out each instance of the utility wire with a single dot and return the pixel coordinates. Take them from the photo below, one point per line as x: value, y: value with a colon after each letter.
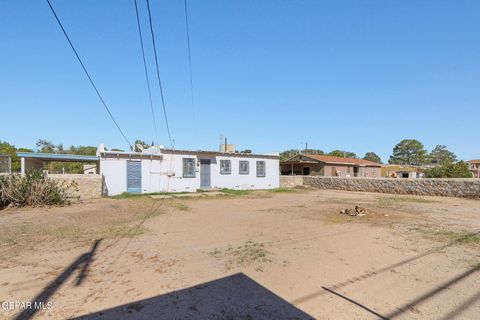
x: 158, y: 73
x: 88, y: 75
x: 146, y: 72
x: 189, y: 58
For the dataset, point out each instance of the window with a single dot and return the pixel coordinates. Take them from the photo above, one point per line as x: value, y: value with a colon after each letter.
x: 260, y: 168
x: 189, y: 167
x: 244, y: 167
x: 225, y: 167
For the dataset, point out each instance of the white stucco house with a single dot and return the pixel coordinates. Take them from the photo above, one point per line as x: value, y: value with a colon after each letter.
x: 159, y: 169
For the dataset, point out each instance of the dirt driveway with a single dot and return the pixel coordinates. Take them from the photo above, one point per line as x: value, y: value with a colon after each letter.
x: 255, y: 256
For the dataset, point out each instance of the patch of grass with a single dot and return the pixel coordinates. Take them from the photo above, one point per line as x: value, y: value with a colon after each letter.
x: 7, y: 241
x: 301, y: 206
x: 180, y: 206
x: 122, y: 230
x: 389, y: 202
x: 235, y: 192
x: 126, y: 195
x: 281, y: 190
x: 225, y: 191
x: 29, y: 236
x: 251, y: 253
x: 468, y: 238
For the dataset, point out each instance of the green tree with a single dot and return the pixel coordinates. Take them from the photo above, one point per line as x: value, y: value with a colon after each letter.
x: 46, y: 146
x: 342, y: 154
x: 82, y: 150
x: 313, y: 151
x: 372, y: 156
x: 287, y: 154
x: 409, y: 152
x: 450, y: 170
x: 9, y: 149
x: 442, y: 156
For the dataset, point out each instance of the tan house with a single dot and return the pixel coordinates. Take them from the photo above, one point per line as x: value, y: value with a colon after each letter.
x: 329, y: 166
x: 398, y: 171
x: 474, y: 167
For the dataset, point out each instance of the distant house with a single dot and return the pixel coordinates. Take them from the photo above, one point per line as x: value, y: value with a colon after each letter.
x: 398, y: 171
x: 89, y: 169
x: 329, y: 166
x: 158, y: 169
x: 474, y: 167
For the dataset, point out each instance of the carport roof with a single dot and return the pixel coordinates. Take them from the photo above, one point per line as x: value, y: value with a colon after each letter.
x: 58, y: 157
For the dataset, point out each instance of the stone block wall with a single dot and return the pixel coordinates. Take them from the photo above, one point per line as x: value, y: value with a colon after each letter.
x: 89, y: 185
x: 464, y: 188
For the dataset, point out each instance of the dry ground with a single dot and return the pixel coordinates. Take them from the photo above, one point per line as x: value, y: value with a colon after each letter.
x: 255, y: 256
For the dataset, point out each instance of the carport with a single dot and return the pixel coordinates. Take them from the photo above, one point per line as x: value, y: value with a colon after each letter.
x: 36, y: 160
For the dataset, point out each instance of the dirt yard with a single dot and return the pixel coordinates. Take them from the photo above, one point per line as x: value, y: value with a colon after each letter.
x: 260, y: 255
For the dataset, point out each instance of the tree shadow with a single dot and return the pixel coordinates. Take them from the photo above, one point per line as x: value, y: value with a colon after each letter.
x: 83, y: 262
x: 233, y: 297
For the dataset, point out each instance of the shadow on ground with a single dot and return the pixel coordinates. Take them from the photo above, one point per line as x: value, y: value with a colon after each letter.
x: 82, y: 262
x: 233, y: 297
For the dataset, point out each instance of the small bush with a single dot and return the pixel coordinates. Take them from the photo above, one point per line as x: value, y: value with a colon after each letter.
x: 34, y: 189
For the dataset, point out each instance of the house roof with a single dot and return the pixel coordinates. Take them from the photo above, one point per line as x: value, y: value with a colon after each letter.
x: 223, y: 154
x: 474, y: 161
x: 160, y: 151
x: 338, y: 160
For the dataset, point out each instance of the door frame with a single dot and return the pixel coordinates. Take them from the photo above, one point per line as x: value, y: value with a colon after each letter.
x: 306, y: 171
x: 356, y: 171
x: 136, y: 189
x: 205, y: 162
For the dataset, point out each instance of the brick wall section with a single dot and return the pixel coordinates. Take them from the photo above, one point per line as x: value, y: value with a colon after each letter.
x: 89, y: 185
x: 291, y: 181
x: 464, y: 188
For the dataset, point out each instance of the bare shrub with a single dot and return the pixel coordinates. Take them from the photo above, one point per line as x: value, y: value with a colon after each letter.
x: 34, y: 189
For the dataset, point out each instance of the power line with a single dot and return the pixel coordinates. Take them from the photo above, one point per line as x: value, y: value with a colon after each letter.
x: 88, y: 75
x: 158, y: 73
x: 146, y: 72
x: 189, y: 57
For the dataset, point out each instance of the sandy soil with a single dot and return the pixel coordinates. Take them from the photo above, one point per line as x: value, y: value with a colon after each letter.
x: 258, y: 256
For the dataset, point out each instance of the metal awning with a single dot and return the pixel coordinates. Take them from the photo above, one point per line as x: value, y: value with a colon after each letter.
x: 58, y: 157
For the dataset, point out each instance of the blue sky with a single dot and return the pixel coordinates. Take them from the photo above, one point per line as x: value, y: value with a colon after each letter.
x: 269, y: 75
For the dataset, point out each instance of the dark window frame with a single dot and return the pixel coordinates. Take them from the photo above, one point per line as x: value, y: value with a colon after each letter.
x: 246, y: 172
x: 264, y: 173
x: 189, y: 162
x: 222, y: 167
